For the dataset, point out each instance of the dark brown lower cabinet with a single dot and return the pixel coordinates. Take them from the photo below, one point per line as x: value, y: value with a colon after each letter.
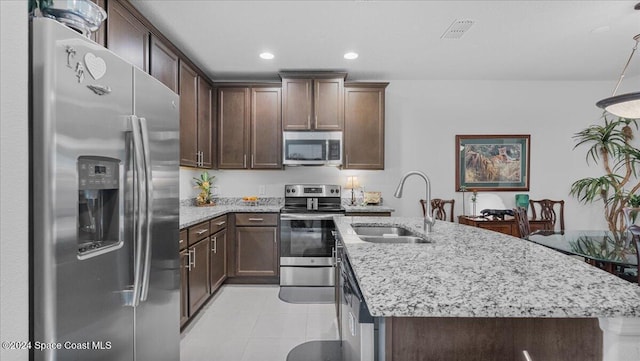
x: 184, y: 286
x: 257, y: 251
x: 198, y: 274
x: 496, y: 339
x: 218, y: 260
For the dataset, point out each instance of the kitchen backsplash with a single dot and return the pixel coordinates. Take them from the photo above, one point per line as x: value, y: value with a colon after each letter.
x: 226, y: 201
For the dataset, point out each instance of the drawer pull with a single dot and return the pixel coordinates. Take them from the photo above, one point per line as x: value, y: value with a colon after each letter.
x: 182, y: 240
x: 202, y: 231
x: 256, y: 219
x: 221, y: 223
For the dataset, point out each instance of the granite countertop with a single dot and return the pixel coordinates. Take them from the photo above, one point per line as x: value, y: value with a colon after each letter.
x: 190, y: 214
x: 367, y: 209
x: 472, y: 272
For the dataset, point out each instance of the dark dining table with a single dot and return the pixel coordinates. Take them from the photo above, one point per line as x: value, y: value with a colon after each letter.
x: 614, y: 252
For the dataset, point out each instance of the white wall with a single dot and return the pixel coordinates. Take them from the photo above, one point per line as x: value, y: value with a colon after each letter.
x: 14, y: 216
x: 422, y: 119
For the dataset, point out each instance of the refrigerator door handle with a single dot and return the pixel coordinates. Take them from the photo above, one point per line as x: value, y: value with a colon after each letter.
x: 148, y: 208
x: 140, y: 214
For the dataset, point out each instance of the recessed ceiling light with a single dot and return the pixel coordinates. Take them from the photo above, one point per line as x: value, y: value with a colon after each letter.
x: 266, y: 55
x: 351, y: 55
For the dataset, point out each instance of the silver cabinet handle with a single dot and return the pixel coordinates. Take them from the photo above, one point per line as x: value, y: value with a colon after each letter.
x: 215, y: 245
x: 202, y: 231
x: 181, y: 241
x: 221, y: 223
x: 256, y: 219
x: 526, y: 355
x: 252, y: 164
x: 244, y: 161
x: 188, y: 266
x: 194, y: 257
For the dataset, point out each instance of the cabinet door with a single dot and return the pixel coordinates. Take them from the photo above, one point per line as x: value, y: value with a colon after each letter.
x: 296, y: 104
x: 266, y: 128
x: 218, y: 266
x: 199, y: 275
x: 328, y: 104
x: 188, y: 116
x: 184, y: 286
x: 164, y: 64
x: 364, y: 127
x: 233, y: 127
x: 558, y: 339
x: 99, y: 35
x: 256, y: 251
x: 127, y: 36
x: 204, y: 122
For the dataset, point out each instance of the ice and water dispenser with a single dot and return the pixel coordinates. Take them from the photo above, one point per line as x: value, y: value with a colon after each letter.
x: 98, y: 205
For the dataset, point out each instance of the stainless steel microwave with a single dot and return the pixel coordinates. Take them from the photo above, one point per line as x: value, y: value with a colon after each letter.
x: 312, y: 148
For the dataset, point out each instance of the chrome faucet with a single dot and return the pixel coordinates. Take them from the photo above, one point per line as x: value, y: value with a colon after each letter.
x: 428, y: 218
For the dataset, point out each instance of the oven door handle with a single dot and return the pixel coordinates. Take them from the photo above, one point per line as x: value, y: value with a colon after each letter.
x: 306, y: 216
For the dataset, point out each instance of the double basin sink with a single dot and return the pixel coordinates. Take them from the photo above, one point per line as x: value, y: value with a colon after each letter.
x: 387, y: 234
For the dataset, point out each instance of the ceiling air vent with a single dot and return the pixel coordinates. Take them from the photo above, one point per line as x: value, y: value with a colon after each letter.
x: 457, y: 29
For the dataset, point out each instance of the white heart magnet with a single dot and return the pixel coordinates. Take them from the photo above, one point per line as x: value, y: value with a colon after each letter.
x: 96, y: 65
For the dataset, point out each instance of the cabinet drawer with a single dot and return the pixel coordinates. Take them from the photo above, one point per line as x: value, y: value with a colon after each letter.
x: 182, y: 243
x: 198, y: 232
x: 218, y: 224
x: 257, y: 219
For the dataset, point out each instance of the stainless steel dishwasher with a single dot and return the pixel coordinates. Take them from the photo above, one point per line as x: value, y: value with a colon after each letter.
x: 357, y: 324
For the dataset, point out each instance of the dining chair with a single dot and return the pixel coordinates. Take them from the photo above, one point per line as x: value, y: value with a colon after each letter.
x: 520, y: 214
x: 438, y: 209
x: 547, y: 211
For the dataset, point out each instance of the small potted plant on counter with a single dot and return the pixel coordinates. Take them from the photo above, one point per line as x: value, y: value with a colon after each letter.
x: 204, y: 184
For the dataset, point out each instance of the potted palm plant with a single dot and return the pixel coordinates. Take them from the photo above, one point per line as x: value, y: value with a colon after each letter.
x: 610, y: 145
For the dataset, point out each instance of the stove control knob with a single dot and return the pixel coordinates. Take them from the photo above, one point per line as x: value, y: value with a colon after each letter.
x: 293, y: 190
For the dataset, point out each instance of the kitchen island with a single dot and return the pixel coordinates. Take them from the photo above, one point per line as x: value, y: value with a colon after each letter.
x: 471, y: 273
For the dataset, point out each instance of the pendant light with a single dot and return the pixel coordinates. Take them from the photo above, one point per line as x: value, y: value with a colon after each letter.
x: 623, y: 105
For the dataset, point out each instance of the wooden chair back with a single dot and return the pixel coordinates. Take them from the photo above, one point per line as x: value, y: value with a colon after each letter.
x: 439, y: 208
x: 520, y: 214
x: 548, y: 210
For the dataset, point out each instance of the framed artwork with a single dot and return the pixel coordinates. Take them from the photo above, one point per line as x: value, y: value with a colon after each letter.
x: 492, y: 162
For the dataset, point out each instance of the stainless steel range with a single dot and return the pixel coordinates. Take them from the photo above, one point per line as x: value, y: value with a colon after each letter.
x: 306, y: 234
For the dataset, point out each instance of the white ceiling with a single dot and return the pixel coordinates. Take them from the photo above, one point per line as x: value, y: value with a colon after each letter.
x: 510, y: 40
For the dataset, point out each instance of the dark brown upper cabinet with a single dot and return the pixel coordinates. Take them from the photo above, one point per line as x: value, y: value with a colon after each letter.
x: 205, y: 123
x: 266, y: 128
x: 364, y: 125
x: 196, y: 121
x: 127, y: 36
x: 312, y: 101
x: 164, y: 64
x: 249, y: 126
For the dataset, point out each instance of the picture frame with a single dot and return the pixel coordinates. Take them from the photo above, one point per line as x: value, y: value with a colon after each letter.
x: 493, y: 162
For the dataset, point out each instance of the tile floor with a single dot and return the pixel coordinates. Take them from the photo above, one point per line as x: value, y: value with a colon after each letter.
x: 250, y: 323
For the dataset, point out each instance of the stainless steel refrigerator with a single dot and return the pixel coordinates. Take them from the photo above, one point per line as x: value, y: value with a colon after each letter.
x: 104, y: 204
